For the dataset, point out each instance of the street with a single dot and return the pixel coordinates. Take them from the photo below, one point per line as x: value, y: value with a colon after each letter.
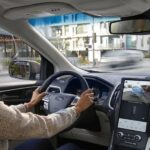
x: 141, y: 68
x: 5, y: 79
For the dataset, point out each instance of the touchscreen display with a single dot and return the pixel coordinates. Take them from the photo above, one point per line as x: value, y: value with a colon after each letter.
x: 136, y: 91
x: 134, y: 108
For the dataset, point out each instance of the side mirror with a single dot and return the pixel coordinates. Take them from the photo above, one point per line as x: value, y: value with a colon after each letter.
x: 28, y: 70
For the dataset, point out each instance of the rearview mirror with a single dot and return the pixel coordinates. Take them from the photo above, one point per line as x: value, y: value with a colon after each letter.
x: 28, y: 70
x: 130, y: 26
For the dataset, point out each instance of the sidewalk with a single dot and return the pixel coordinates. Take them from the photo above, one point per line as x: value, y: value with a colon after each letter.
x: 3, y: 72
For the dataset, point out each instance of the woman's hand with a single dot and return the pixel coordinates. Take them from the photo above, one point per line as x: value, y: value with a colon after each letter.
x: 36, y: 98
x: 85, y: 101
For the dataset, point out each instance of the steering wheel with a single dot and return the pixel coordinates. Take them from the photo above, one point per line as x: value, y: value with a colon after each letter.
x: 54, y: 102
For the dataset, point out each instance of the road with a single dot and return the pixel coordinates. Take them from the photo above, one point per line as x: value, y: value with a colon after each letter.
x: 142, y: 68
x: 5, y: 79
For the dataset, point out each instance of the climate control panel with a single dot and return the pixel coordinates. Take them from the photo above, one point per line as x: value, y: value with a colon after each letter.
x: 132, y: 139
x: 129, y: 138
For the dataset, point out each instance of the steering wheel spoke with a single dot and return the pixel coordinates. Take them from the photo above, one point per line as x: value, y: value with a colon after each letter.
x: 53, y: 102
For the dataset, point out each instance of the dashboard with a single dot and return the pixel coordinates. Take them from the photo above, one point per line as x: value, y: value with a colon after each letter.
x: 101, y: 121
x: 94, y: 123
x: 103, y: 90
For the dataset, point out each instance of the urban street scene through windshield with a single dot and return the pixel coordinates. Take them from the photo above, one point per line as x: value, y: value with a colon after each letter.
x: 85, y: 41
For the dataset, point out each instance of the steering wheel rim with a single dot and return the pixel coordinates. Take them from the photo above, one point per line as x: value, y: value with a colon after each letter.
x: 50, y: 79
x: 54, y: 102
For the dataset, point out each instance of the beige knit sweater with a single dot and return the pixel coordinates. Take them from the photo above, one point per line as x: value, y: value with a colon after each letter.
x: 16, y: 124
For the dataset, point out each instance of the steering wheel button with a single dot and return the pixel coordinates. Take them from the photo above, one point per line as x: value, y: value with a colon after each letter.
x: 46, y: 106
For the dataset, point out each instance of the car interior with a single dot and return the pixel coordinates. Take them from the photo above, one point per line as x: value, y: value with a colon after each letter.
x: 113, y: 122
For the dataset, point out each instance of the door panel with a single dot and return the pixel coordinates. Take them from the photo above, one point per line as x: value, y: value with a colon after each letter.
x: 17, y: 94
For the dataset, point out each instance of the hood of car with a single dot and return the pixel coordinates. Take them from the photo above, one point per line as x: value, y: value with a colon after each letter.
x: 16, y: 9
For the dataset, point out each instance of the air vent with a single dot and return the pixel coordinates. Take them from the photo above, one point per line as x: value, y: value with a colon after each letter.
x: 115, y: 97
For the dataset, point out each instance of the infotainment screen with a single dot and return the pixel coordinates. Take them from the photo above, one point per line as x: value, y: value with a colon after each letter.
x: 136, y: 91
x: 134, y: 107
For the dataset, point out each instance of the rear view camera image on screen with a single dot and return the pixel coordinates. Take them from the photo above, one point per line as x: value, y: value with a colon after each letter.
x: 136, y: 91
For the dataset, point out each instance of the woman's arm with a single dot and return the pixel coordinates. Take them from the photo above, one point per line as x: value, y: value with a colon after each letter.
x: 17, y: 125
x: 20, y: 107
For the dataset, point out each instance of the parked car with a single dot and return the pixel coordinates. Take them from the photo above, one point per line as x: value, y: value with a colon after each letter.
x: 121, y: 58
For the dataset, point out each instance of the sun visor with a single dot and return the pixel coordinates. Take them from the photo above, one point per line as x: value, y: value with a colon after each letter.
x: 39, y: 10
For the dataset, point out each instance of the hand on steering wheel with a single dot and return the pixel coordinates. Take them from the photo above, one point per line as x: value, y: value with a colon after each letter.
x: 86, y: 100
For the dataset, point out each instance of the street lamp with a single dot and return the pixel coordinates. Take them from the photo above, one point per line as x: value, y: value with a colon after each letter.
x: 93, y: 41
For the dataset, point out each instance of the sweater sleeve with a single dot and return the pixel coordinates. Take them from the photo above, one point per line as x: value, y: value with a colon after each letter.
x: 17, y: 125
x: 20, y: 107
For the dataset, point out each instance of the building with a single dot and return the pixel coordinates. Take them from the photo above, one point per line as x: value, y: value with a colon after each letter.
x: 73, y: 34
x: 80, y: 35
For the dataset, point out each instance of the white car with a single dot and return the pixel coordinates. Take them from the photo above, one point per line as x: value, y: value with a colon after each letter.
x: 120, y: 58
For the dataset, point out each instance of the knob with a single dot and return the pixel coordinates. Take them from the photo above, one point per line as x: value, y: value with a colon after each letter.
x: 120, y: 134
x: 137, y: 138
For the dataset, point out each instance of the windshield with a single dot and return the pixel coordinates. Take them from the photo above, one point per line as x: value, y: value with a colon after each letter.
x: 86, y: 42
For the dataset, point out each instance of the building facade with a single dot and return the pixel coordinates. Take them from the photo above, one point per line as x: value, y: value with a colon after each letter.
x: 80, y: 35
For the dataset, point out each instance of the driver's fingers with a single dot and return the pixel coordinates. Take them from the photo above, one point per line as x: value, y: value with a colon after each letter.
x: 90, y: 96
x: 41, y: 95
x: 87, y: 91
x: 38, y: 89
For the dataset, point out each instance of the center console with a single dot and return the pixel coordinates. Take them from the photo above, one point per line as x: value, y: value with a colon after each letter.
x: 132, y: 125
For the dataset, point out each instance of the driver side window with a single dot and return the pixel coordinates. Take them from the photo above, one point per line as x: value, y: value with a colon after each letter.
x: 14, y: 48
